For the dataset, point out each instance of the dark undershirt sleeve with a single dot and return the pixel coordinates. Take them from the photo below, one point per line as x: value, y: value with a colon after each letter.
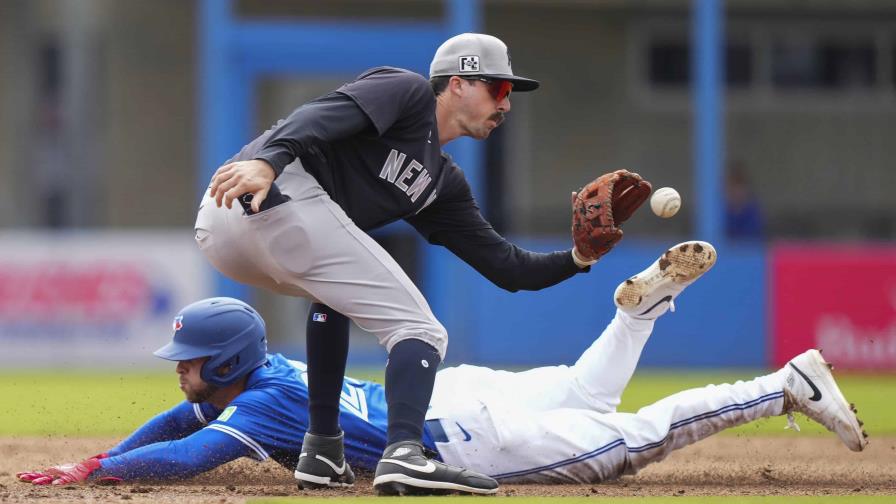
x: 455, y: 222
x: 378, y: 100
x: 332, y: 117
x: 505, y: 264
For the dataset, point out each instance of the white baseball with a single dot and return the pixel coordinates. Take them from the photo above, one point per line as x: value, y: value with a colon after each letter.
x: 665, y: 202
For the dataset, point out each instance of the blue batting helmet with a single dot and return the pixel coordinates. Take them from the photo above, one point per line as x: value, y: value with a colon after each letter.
x: 227, y: 330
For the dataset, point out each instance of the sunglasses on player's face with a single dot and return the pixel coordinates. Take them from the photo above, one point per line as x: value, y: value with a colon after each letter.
x: 498, y: 88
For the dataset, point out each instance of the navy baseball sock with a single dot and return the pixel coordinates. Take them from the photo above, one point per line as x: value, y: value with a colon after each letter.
x: 410, y: 375
x: 327, y: 346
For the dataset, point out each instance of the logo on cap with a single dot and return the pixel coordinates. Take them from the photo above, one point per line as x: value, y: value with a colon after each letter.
x: 178, y: 323
x: 468, y: 63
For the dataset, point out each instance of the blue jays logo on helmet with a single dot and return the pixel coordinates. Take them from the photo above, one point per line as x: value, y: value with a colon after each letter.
x: 227, y: 331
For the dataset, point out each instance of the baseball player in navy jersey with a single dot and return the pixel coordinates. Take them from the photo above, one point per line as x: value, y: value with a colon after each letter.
x: 554, y: 424
x: 308, y: 190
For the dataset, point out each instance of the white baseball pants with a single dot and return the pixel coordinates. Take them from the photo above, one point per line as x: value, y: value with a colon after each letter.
x: 309, y: 247
x: 560, y: 425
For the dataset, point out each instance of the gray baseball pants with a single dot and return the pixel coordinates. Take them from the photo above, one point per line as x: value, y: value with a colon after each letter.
x: 308, y: 247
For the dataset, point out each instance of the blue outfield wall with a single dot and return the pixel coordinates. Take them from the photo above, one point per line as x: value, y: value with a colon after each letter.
x: 720, y: 320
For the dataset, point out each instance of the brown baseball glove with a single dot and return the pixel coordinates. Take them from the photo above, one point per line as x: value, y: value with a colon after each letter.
x: 600, y: 208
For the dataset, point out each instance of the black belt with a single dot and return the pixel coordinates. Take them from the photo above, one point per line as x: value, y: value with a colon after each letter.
x: 436, y: 431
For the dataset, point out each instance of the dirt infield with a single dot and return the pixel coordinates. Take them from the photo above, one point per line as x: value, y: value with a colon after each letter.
x: 787, y: 465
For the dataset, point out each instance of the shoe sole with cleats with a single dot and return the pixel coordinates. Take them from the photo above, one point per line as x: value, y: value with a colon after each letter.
x: 650, y: 293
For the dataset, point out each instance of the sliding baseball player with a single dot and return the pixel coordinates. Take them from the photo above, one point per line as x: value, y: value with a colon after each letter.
x: 555, y: 424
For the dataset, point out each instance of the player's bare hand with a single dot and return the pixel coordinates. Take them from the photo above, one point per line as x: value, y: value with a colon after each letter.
x: 235, y: 179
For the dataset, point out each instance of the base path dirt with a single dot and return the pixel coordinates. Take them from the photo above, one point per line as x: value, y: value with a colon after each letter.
x: 724, y: 465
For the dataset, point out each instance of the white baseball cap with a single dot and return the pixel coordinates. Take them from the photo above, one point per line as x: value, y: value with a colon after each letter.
x: 477, y: 54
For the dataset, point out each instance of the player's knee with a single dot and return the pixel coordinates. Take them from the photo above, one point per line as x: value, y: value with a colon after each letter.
x: 440, y: 336
x: 434, y: 334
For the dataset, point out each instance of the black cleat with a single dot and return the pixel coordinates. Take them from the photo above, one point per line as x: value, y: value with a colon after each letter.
x: 408, y: 469
x: 322, y: 463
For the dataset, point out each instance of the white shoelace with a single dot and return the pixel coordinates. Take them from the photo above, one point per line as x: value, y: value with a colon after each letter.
x: 791, y: 423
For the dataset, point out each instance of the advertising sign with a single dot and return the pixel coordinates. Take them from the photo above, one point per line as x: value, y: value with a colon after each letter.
x: 84, y: 299
x: 837, y: 298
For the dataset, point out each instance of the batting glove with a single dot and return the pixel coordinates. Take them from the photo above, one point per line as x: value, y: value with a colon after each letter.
x: 67, y: 474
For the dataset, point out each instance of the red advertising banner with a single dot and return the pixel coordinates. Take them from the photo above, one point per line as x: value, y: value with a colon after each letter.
x: 90, y: 299
x: 841, y: 299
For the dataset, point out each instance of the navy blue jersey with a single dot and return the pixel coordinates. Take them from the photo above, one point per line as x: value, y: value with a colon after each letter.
x: 373, y: 145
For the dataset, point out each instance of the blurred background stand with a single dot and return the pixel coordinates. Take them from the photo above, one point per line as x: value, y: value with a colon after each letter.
x: 113, y: 114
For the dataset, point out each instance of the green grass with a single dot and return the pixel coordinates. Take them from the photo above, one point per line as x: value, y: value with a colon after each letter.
x: 827, y: 499
x: 88, y: 404
x: 113, y: 404
x: 82, y: 404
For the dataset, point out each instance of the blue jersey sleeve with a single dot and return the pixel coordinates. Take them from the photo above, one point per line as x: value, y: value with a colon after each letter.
x: 260, y: 420
x: 176, y: 423
x: 184, y: 458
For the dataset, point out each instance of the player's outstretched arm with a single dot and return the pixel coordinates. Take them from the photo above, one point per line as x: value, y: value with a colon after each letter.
x: 181, y: 459
x: 454, y: 221
x: 508, y: 266
x: 201, y: 451
x: 66, y: 473
x: 176, y: 423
